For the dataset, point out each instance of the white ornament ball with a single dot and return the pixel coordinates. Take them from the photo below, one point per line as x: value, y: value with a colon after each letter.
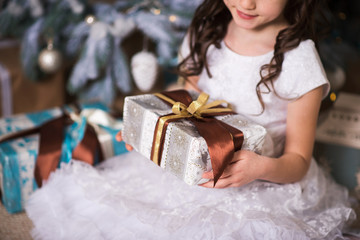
x: 144, y: 69
x: 49, y: 60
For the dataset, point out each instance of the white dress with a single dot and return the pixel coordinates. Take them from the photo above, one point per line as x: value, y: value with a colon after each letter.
x: 129, y: 197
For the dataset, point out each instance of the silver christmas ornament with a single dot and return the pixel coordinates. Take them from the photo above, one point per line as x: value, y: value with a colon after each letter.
x: 50, y: 59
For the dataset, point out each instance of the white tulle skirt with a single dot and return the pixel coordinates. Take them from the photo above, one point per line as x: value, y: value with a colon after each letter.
x: 129, y: 197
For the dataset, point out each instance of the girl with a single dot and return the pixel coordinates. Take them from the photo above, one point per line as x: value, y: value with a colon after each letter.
x: 260, y: 56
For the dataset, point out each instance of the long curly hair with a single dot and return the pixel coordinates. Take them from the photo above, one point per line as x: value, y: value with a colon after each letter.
x: 209, y: 26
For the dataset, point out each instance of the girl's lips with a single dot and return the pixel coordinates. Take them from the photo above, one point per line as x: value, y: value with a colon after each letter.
x: 245, y: 16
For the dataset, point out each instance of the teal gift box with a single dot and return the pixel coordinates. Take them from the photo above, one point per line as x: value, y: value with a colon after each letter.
x: 18, y: 156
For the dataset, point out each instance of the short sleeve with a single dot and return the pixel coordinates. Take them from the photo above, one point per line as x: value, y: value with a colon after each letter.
x: 302, y: 71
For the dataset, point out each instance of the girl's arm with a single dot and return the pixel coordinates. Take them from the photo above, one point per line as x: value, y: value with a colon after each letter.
x: 300, y: 136
x: 292, y: 166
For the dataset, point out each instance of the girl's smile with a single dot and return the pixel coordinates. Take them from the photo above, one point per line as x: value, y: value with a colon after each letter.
x: 245, y: 16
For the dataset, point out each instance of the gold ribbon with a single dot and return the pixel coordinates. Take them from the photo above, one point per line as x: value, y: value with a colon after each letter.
x: 196, y: 109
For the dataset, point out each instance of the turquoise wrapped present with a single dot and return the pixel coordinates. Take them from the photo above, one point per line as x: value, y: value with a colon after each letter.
x: 17, y: 165
x: 19, y: 156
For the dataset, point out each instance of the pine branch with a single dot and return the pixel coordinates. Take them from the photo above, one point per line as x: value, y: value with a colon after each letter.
x: 30, y: 50
x: 120, y: 69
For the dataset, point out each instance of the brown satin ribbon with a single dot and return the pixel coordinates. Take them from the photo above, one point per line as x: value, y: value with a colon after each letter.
x: 89, y: 147
x: 50, y: 147
x: 51, y: 138
x: 222, y: 139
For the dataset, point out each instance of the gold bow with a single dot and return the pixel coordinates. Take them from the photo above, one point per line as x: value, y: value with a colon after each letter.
x: 197, y: 109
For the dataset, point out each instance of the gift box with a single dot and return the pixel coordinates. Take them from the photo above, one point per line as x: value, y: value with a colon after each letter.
x: 185, y: 152
x: 18, y: 156
x: 17, y: 165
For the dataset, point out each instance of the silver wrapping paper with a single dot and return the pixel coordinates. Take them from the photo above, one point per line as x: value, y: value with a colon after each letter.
x: 185, y: 152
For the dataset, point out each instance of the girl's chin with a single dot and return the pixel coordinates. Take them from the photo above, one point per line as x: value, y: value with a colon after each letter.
x: 246, y: 25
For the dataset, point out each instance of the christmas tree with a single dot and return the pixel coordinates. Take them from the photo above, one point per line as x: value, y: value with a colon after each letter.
x: 90, y: 34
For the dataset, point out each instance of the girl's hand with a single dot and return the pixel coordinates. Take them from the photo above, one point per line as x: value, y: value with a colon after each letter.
x: 118, y: 138
x: 245, y: 167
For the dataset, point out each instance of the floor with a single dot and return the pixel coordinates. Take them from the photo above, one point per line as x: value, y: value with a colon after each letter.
x: 14, y: 226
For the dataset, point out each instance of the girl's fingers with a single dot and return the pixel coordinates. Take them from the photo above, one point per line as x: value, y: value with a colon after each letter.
x: 229, y: 170
x: 118, y: 137
x: 128, y: 147
x: 220, y: 184
x: 208, y: 175
x: 225, y: 176
x: 209, y: 184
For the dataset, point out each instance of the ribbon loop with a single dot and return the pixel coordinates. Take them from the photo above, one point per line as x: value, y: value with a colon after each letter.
x: 180, y: 109
x: 198, y: 104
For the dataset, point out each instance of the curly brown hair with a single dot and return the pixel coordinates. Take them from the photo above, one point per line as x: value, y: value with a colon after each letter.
x: 209, y: 26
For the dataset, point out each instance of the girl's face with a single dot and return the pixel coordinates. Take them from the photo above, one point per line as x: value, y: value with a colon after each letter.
x: 256, y: 14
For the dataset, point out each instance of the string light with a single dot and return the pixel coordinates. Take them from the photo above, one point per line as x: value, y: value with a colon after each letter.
x: 172, y: 18
x: 342, y: 16
x: 90, y: 19
x: 338, y: 39
x: 333, y: 97
x: 156, y: 11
